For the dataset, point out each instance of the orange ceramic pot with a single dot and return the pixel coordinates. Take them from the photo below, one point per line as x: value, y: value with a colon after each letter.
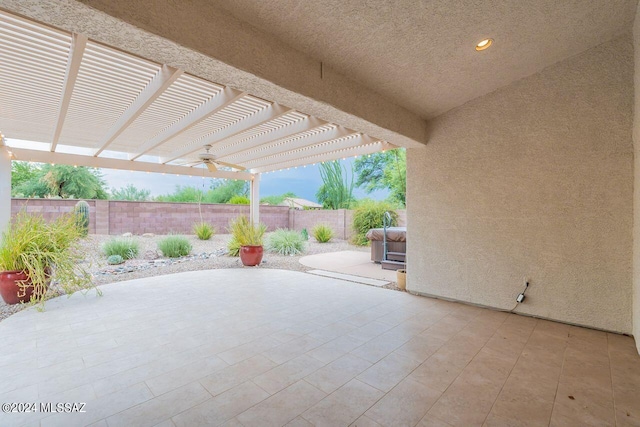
x: 10, y: 287
x: 251, y: 255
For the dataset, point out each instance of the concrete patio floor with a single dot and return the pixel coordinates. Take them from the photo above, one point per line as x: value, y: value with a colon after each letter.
x: 258, y: 347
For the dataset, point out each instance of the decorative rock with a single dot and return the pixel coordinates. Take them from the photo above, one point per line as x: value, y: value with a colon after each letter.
x: 127, y: 235
x: 156, y: 262
x: 150, y: 255
x: 148, y: 235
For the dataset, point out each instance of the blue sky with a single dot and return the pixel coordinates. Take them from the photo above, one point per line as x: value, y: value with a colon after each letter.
x: 303, y: 181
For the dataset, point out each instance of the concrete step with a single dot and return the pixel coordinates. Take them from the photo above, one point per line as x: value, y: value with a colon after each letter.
x: 393, y: 265
x: 396, y: 256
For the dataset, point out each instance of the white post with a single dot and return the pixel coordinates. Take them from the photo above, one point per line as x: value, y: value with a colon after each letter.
x: 254, y: 198
x: 5, y: 186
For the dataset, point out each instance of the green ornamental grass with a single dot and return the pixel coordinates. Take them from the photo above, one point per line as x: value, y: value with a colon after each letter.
x: 125, y: 247
x: 38, y: 247
x: 203, y: 230
x: 322, y: 233
x: 286, y: 242
x: 174, y: 246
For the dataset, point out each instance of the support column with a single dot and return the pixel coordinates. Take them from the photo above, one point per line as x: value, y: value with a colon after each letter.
x: 254, y: 198
x: 5, y: 186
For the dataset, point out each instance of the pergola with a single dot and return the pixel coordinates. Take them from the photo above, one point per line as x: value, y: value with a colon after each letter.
x: 93, y: 105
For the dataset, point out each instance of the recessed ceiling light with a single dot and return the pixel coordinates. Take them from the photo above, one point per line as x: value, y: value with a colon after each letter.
x: 484, y: 44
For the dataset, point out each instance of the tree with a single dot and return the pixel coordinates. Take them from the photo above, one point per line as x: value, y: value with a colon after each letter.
x: 131, y: 193
x: 64, y: 181
x: 222, y: 190
x: 386, y: 170
x: 182, y: 195
x: 20, y: 173
x: 336, y: 191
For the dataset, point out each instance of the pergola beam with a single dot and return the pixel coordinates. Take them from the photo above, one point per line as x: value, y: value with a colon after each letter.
x: 152, y: 91
x: 103, y: 162
x: 78, y: 45
x: 225, y: 98
x: 233, y: 147
x: 254, y: 200
x: 270, y: 113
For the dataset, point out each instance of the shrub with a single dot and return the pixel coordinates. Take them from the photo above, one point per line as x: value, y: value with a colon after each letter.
x: 245, y: 233
x: 234, y: 247
x: 174, y: 246
x: 203, y: 230
x: 126, y: 248
x: 239, y: 200
x: 285, y: 242
x: 370, y: 215
x: 305, y: 234
x: 115, y: 260
x: 322, y: 233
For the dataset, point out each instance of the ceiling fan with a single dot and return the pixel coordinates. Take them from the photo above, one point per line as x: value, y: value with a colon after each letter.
x: 209, y: 160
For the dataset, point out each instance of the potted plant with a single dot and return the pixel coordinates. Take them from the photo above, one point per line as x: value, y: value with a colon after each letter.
x: 33, y: 251
x: 249, y: 238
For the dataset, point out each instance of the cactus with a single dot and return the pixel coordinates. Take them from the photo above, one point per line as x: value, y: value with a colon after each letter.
x: 115, y: 260
x: 82, y: 213
x: 305, y: 234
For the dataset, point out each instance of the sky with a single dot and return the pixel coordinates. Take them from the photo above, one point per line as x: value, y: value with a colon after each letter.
x: 304, y: 182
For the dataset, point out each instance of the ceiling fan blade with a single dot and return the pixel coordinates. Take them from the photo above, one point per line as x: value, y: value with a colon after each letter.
x: 231, y: 165
x: 211, y: 166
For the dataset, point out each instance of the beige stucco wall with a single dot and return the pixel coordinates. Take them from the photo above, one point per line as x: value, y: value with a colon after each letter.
x: 534, y: 180
x: 636, y: 195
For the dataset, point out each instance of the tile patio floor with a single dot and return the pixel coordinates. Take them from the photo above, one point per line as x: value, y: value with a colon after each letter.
x: 258, y: 347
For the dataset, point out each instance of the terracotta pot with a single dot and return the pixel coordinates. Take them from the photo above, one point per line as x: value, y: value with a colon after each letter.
x: 10, y: 289
x: 251, y: 255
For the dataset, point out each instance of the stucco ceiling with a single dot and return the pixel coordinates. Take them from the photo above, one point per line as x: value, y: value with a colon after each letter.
x: 420, y: 53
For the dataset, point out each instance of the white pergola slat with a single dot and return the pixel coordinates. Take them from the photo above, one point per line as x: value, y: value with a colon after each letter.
x: 160, y: 82
x: 80, y: 96
x: 225, y: 98
x: 218, y: 139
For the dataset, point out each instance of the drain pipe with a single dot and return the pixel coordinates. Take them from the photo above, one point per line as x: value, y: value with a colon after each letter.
x: 386, y: 222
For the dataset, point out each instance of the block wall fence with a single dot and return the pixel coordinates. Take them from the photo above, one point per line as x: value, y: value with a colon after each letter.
x: 118, y: 217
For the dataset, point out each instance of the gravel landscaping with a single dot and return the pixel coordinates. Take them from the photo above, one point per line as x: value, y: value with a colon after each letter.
x: 205, y: 255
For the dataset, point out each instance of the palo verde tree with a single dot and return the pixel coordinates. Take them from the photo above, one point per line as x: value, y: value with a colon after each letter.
x: 336, y: 191
x: 63, y: 181
x: 386, y: 170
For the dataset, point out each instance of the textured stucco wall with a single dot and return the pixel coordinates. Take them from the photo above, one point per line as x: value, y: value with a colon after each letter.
x: 534, y: 180
x: 636, y: 182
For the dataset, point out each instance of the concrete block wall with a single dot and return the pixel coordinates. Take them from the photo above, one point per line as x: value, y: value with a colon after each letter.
x: 52, y: 208
x: 164, y: 218
x: 117, y: 217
